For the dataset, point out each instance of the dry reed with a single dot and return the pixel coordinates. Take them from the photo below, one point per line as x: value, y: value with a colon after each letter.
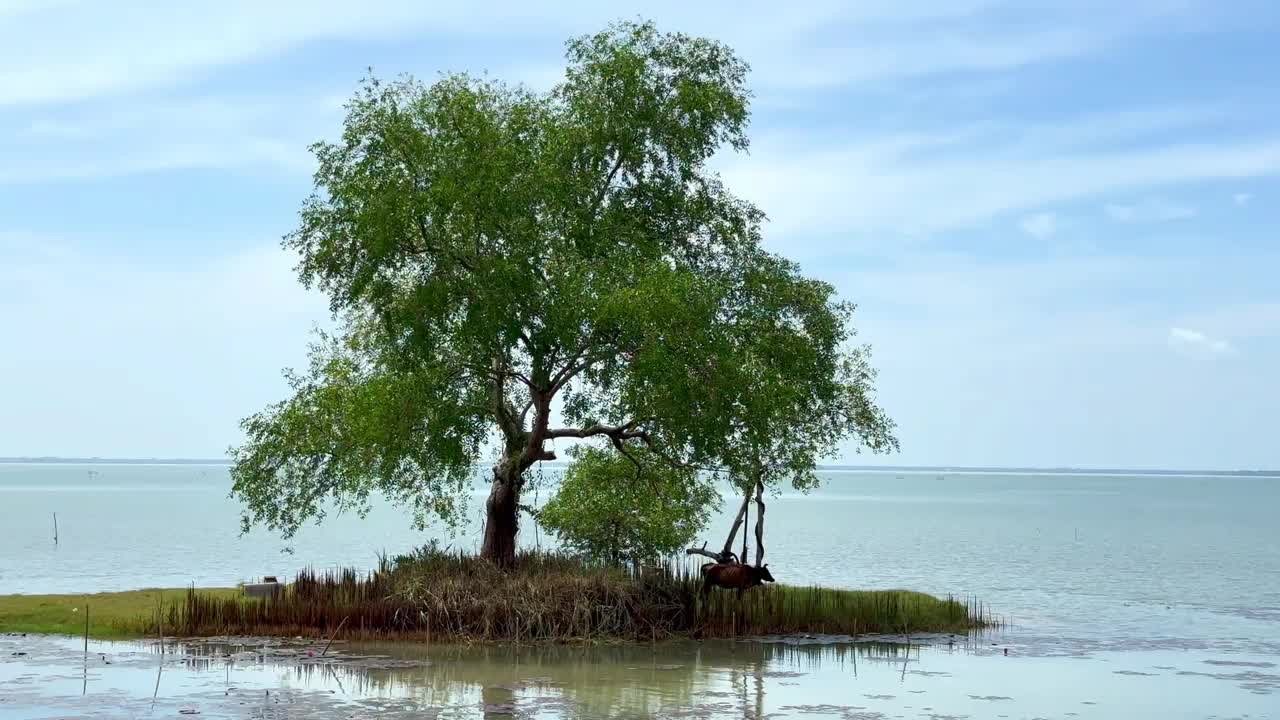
x: 553, y: 597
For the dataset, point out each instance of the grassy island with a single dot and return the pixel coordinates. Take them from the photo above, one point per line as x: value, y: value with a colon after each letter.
x: 439, y: 596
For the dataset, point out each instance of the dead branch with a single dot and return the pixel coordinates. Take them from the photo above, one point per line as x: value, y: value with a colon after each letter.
x: 723, y: 557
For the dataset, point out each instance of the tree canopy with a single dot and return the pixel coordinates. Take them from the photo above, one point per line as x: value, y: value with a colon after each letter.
x: 522, y: 267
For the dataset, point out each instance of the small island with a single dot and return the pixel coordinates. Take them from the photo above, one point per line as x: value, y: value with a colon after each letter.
x: 435, y: 596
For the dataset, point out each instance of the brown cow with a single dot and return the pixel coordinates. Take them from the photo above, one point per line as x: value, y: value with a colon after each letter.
x: 734, y: 576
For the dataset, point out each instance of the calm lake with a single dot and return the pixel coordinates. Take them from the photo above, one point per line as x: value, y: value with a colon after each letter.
x: 1127, y: 597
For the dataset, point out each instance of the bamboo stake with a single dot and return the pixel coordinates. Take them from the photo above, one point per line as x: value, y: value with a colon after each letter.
x: 160, y: 636
x: 331, y: 637
x: 84, y: 690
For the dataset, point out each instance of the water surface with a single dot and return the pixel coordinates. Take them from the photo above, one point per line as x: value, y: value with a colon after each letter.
x: 670, y: 680
x: 1149, y: 596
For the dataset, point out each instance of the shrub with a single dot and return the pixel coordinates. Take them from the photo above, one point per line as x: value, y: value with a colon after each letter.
x: 621, y: 509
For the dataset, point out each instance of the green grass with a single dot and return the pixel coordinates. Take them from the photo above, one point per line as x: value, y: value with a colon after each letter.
x: 112, y: 616
x: 787, y: 609
x: 439, y: 596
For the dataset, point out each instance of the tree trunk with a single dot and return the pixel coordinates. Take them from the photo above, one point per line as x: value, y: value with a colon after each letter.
x: 500, y: 525
x: 726, y: 555
x: 737, y: 523
x: 759, y: 522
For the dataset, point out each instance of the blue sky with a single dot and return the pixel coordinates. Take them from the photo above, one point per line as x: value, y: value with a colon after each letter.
x: 1058, y: 219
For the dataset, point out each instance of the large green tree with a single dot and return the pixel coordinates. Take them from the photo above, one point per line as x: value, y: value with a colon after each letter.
x: 499, y: 257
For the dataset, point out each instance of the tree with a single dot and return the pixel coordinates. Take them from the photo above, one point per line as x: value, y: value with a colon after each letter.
x: 499, y: 257
x: 607, y: 509
x: 781, y: 438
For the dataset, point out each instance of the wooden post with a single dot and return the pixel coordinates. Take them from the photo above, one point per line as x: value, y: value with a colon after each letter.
x: 84, y: 689
x: 160, y: 635
x: 55, y: 528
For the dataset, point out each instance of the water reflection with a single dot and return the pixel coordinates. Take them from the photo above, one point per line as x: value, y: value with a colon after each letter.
x: 814, y: 680
x: 705, y: 679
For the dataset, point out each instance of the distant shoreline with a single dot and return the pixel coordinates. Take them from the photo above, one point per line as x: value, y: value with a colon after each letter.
x: 935, y: 469
x: 109, y: 461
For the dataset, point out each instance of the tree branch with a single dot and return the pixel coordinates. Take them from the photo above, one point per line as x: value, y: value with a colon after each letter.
x: 582, y: 359
x: 737, y: 522
x: 622, y: 448
x: 503, y: 412
x: 418, y: 220
x: 608, y: 182
x: 524, y: 411
x: 500, y: 372
x: 723, y: 557
x: 617, y: 433
x: 759, y: 521
x: 528, y: 342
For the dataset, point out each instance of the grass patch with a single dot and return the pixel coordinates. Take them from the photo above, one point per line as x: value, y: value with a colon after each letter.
x: 435, y: 595
x: 111, y: 615
x: 439, y: 596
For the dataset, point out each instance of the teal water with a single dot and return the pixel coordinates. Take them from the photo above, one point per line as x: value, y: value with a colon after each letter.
x: 1104, y: 580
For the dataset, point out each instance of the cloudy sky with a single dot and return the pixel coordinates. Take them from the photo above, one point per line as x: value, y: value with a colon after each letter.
x: 1059, y: 219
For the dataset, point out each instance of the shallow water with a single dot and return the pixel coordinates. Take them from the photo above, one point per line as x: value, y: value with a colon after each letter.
x: 247, y: 679
x: 1134, y: 593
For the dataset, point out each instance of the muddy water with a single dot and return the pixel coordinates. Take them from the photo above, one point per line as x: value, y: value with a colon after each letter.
x: 997, y: 677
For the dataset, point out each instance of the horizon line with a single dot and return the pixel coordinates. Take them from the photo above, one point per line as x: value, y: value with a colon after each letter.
x: 90, y: 460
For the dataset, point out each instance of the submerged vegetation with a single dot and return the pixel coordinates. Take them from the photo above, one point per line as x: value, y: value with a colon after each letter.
x: 439, y: 596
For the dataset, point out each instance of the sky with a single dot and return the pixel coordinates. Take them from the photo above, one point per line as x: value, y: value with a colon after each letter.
x: 1058, y: 219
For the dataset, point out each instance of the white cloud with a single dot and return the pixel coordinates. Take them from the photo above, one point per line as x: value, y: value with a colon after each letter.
x: 1087, y: 336
x: 93, y: 49
x: 1242, y: 199
x: 1260, y: 319
x: 1192, y: 340
x: 59, y: 52
x: 877, y: 185
x: 62, y: 51
x: 138, y: 137
x: 1040, y: 225
x: 1149, y: 210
